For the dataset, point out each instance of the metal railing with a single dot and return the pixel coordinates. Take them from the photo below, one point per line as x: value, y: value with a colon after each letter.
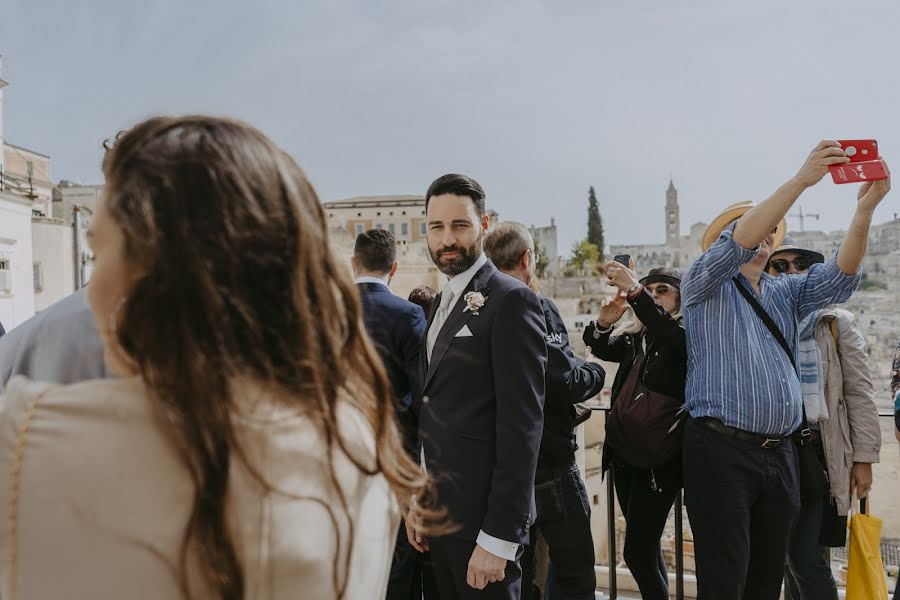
x: 679, y: 525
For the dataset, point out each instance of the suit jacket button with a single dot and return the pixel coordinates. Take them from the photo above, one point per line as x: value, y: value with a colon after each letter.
x: 425, y: 399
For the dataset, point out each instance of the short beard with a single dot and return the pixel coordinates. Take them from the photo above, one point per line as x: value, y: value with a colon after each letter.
x: 467, y: 257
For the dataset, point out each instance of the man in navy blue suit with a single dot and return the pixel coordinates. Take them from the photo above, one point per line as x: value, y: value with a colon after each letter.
x: 397, y: 327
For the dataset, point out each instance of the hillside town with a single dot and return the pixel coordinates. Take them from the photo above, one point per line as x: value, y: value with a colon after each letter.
x: 45, y: 257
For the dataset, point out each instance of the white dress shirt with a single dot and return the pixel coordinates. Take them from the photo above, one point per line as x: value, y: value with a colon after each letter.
x: 457, y: 285
x: 376, y: 280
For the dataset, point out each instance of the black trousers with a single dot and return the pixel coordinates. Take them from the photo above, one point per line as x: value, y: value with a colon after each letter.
x: 741, y: 500
x: 450, y: 561
x: 411, y: 576
x: 564, y: 519
x: 646, y: 497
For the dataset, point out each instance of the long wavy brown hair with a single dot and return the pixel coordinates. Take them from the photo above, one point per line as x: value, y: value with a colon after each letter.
x: 237, y: 281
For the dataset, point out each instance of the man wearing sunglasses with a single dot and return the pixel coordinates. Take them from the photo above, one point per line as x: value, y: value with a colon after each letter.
x: 838, y: 396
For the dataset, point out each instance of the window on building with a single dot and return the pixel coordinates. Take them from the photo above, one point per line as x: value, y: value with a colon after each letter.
x: 422, y: 228
x: 404, y: 212
x: 404, y: 228
x: 379, y: 226
x: 392, y: 228
x: 359, y: 228
x: 358, y: 214
x: 38, y: 277
x: 5, y: 276
x: 391, y: 214
x: 378, y: 214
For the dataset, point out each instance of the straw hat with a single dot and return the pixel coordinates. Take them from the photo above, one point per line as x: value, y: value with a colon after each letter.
x: 731, y: 214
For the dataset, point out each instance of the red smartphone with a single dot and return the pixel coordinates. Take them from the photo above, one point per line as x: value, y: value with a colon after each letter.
x: 859, y: 150
x: 872, y: 170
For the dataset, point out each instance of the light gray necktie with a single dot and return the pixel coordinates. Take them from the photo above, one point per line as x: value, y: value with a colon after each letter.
x: 440, y: 317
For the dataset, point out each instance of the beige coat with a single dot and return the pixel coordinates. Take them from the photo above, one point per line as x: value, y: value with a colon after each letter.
x: 851, y: 433
x: 104, y: 499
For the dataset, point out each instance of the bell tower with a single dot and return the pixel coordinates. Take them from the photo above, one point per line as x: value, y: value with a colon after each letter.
x: 673, y: 220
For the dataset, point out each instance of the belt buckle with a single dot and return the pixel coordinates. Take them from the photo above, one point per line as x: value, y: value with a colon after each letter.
x: 770, y: 443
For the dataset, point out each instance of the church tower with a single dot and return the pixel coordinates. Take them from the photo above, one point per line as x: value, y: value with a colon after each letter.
x: 673, y: 221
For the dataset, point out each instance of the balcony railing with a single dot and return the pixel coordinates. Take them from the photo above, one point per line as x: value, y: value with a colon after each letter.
x: 679, y: 526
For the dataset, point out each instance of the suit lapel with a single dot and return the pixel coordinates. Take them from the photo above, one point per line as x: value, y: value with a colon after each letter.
x: 457, y: 318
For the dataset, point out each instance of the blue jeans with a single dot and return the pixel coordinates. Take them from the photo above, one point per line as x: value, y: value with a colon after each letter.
x: 564, y: 519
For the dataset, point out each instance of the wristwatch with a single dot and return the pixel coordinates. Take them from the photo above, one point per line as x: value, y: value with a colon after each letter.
x: 633, y: 290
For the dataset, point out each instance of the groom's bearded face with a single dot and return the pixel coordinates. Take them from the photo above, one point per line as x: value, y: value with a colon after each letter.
x: 455, y: 233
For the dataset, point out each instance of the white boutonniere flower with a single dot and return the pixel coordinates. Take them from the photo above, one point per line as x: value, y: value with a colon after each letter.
x: 474, y: 302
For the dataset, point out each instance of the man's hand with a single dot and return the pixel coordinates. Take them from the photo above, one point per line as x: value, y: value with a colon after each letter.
x: 872, y: 193
x: 860, y: 479
x: 484, y: 568
x: 825, y: 154
x: 413, y: 531
x: 611, y: 310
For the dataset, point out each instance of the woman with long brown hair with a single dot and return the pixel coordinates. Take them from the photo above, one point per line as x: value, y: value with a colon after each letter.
x: 248, y: 449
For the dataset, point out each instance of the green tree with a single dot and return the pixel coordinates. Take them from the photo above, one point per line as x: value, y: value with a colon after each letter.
x: 595, y: 223
x: 541, y: 265
x: 584, y: 255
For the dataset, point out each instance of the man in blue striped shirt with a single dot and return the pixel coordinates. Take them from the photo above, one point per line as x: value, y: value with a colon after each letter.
x: 743, y: 394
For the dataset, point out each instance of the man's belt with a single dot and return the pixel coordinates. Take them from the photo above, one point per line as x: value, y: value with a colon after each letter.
x: 764, y: 441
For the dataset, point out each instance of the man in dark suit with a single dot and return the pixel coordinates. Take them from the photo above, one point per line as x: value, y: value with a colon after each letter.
x: 397, y: 327
x: 563, y: 511
x: 482, y: 365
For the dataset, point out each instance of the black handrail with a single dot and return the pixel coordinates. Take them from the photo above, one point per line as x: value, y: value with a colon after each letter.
x: 611, y: 535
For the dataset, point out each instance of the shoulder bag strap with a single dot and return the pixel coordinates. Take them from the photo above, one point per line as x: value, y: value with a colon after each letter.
x: 776, y: 332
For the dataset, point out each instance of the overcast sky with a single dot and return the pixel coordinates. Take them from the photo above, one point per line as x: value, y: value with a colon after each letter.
x: 538, y: 100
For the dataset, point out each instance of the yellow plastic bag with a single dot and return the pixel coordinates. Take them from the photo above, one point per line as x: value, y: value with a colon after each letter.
x: 865, y: 571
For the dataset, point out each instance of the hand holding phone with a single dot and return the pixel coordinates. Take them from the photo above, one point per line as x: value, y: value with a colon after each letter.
x: 864, y: 163
x: 860, y: 150
x: 622, y: 259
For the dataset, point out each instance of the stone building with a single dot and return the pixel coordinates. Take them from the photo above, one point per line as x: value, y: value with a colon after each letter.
x: 678, y: 251
x: 545, y: 238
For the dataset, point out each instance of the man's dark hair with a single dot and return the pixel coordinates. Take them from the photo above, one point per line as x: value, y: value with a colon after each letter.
x: 375, y: 250
x: 423, y: 296
x: 458, y: 185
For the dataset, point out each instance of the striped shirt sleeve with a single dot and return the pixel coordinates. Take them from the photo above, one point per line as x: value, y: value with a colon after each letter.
x: 715, y: 267
x: 824, y: 285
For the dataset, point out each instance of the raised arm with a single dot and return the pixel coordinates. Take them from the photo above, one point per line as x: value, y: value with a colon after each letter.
x: 598, y: 335
x: 868, y: 198
x: 660, y: 324
x: 758, y: 222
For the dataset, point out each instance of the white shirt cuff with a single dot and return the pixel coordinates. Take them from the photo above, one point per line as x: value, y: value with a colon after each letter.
x: 497, y: 547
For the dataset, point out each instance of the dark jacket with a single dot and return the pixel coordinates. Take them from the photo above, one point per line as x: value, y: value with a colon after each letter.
x: 665, y: 369
x: 397, y: 326
x: 569, y: 380
x: 482, y: 407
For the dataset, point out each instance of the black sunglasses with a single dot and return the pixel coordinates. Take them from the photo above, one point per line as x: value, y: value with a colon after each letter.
x: 801, y: 263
